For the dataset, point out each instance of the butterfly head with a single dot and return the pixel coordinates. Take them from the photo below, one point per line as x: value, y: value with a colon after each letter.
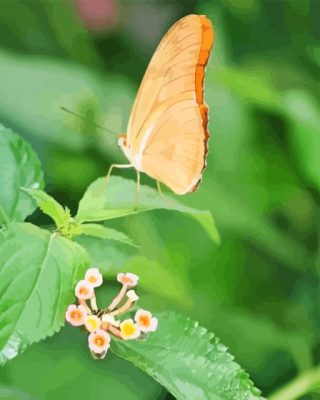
x: 122, y: 140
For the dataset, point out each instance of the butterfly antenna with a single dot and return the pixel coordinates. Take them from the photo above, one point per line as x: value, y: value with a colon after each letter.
x: 84, y: 119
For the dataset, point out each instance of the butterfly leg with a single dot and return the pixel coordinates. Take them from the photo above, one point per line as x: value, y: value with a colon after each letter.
x: 137, y: 191
x: 163, y: 197
x: 160, y: 190
x: 117, y: 166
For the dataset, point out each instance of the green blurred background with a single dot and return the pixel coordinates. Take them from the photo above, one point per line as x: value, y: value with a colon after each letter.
x: 259, y: 290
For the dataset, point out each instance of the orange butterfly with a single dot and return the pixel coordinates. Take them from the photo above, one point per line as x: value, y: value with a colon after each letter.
x: 167, y: 131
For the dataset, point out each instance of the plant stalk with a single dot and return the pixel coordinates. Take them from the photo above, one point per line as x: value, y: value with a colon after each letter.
x: 301, y: 385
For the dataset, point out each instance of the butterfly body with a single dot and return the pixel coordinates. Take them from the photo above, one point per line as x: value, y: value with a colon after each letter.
x: 167, y: 131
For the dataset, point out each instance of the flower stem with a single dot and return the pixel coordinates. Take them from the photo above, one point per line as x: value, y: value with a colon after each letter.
x: 126, y: 307
x: 118, y: 298
x: 302, y: 384
x: 116, y: 332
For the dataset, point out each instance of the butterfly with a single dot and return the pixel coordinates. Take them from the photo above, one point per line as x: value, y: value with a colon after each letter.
x: 167, y: 132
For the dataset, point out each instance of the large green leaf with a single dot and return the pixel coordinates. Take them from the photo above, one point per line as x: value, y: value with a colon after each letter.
x: 20, y: 167
x: 188, y: 361
x: 114, y: 198
x: 38, y: 271
x: 64, y: 369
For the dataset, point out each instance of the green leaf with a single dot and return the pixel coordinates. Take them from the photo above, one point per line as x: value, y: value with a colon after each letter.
x: 113, y: 258
x: 19, y: 167
x: 38, y: 271
x: 50, y: 206
x: 103, y: 232
x: 188, y: 361
x: 115, y: 198
x: 64, y: 369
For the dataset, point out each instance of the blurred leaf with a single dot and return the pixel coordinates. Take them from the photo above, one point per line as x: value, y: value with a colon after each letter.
x: 46, y: 27
x: 250, y: 85
x: 103, y: 232
x: 50, y: 206
x: 304, y: 115
x: 102, y: 100
x: 188, y: 361
x: 11, y: 393
x: 248, y: 223
x: 261, y: 338
x: 256, y: 85
x: 69, y: 31
x: 251, y: 185
x: 20, y: 167
x: 114, y: 198
x: 106, y: 253
x: 160, y: 277
x: 64, y: 368
x: 38, y: 271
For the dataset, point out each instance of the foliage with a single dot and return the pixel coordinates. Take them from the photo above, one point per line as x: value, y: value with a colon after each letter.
x: 189, y: 361
x: 20, y: 166
x: 39, y: 270
x: 259, y: 290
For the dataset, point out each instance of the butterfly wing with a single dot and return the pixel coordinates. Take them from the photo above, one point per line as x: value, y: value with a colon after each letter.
x: 167, y: 132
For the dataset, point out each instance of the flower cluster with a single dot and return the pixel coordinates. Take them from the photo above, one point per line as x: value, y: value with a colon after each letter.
x: 100, y: 323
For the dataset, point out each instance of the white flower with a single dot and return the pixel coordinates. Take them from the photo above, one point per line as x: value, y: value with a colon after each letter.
x: 129, y: 330
x: 94, y: 277
x: 145, y: 321
x: 132, y: 295
x: 76, y: 315
x: 84, y: 290
x: 99, y: 341
x: 92, y: 323
x: 128, y: 279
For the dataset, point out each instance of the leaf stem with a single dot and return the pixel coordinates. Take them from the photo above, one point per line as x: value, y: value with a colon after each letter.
x: 302, y: 384
x: 4, y: 215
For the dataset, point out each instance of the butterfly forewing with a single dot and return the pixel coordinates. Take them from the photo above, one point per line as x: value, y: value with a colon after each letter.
x: 167, y: 131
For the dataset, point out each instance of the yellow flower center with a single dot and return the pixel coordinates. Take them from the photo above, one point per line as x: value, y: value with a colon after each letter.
x: 128, y: 329
x: 93, y: 322
x: 92, y: 279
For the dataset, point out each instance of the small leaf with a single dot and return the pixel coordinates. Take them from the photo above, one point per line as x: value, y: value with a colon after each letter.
x: 103, y: 232
x: 50, y: 206
x: 188, y: 361
x: 19, y: 167
x: 115, y: 198
x: 38, y: 271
